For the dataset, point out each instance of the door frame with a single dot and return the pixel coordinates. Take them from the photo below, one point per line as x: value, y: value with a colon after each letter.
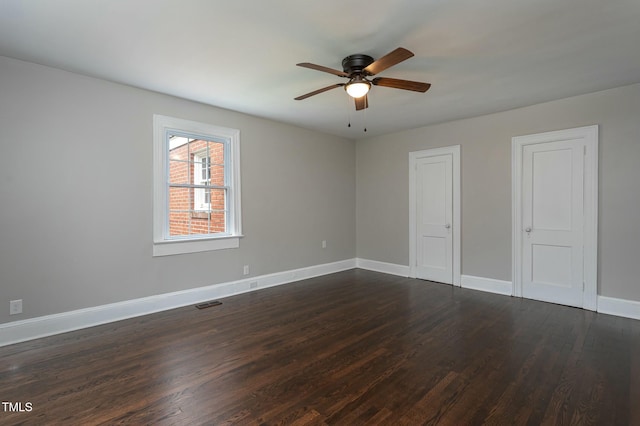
x: 589, y: 134
x: 414, y: 156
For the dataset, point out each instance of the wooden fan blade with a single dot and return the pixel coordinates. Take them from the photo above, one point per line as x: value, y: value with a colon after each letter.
x: 323, y: 69
x: 395, y: 83
x: 362, y: 103
x: 389, y: 60
x: 315, y: 92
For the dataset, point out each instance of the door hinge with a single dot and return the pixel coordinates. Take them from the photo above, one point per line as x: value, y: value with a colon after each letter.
x: 584, y: 150
x: 583, y: 285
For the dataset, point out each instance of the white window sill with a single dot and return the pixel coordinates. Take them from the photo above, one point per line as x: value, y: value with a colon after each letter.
x: 171, y: 247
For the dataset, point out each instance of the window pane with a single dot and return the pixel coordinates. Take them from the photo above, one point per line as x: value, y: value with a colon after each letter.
x: 217, y: 175
x: 179, y: 223
x: 179, y: 172
x: 216, y: 152
x: 201, y: 199
x: 178, y: 150
x: 218, y: 221
x: 199, y: 148
x: 180, y: 200
x: 218, y: 199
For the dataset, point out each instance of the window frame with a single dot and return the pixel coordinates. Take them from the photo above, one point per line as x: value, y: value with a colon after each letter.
x: 163, y: 243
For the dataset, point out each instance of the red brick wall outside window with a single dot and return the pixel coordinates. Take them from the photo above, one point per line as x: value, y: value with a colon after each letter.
x: 188, y: 212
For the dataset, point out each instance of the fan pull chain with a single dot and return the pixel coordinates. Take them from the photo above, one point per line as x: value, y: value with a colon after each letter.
x: 365, y: 114
x: 349, y: 110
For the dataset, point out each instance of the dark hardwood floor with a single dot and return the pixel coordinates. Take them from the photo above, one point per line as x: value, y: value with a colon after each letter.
x: 351, y: 348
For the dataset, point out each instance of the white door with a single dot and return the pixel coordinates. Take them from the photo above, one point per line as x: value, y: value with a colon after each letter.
x: 552, y: 215
x: 434, y: 214
x: 555, y: 216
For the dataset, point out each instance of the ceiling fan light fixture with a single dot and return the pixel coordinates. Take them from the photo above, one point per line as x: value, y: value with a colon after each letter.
x: 357, y: 87
x: 358, y: 68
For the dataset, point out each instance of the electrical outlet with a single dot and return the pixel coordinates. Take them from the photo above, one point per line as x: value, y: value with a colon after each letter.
x: 253, y: 284
x: 15, y: 307
x: 245, y: 270
x: 324, y: 243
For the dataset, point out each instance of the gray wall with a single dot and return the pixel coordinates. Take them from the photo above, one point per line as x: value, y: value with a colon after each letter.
x: 382, y: 216
x: 76, y: 194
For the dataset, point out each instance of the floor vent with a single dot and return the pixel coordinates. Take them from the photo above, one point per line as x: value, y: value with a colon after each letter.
x: 208, y: 304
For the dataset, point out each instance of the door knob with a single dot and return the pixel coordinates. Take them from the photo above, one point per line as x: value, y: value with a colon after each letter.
x: 527, y: 230
x: 448, y: 225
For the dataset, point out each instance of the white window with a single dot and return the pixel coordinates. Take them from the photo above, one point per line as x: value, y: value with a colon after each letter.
x: 196, y: 204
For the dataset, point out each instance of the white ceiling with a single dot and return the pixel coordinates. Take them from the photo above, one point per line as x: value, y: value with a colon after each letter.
x: 479, y: 56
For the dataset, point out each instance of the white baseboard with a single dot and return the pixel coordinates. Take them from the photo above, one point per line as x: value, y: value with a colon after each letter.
x: 606, y: 305
x: 487, y: 284
x: 387, y: 268
x: 33, y: 328
x: 619, y: 307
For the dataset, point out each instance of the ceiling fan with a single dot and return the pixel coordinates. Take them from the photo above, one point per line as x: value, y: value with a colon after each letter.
x: 358, y: 68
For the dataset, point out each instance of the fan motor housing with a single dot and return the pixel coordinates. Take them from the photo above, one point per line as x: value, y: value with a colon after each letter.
x: 354, y: 64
